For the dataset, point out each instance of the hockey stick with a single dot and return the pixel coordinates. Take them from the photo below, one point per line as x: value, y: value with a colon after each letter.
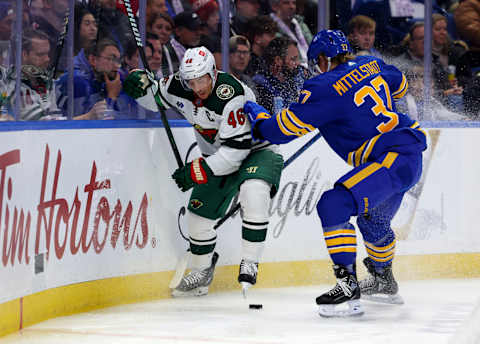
x: 183, y: 261
x: 58, y: 51
x: 235, y: 208
x: 151, y: 76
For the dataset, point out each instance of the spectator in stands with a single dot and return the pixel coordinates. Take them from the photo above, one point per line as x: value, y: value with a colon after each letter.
x: 262, y: 31
x: 130, y: 59
x: 155, y: 58
x: 36, y: 6
x: 187, y: 33
x: 37, y: 100
x: 447, y: 50
x: 51, y: 21
x: 171, y: 9
x: 162, y: 25
x: 155, y: 7
x: 244, y: 12
x: 361, y: 34
x: 85, y: 28
x: 239, y: 57
x: 98, y: 86
x: 444, y: 91
x: 112, y: 23
x: 292, y: 25
x: 282, y: 82
x: 467, y: 20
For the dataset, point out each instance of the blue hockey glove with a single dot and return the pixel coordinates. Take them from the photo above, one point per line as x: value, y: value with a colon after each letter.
x: 195, y: 172
x: 256, y: 114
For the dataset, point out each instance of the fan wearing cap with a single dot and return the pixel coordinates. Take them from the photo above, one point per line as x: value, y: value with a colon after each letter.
x: 212, y: 101
x: 187, y: 32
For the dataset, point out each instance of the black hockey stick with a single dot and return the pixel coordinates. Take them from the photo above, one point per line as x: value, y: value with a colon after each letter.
x: 58, y: 50
x: 143, y: 57
x: 236, y: 207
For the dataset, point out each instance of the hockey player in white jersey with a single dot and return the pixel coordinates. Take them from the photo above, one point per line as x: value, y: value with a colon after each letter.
x: 212, y: 101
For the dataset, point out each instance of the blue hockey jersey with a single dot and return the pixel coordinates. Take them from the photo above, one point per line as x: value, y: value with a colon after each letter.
x: 353, y: 107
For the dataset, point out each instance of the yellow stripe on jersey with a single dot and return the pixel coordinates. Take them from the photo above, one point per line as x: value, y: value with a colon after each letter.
x: 289, y: 124
x: 369, y: 170
x: 402, y: 89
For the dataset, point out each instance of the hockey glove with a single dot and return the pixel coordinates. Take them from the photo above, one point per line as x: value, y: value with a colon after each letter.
x: 195, y: 172
x: 138, y: 82
x: 256, y: 114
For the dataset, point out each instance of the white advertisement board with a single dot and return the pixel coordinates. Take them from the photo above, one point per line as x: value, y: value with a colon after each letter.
x: 79, y: 205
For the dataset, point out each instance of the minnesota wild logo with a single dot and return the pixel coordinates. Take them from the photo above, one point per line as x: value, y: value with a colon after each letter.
x: 195, y: 203
x: 225, y: 91
x: 208, y: 134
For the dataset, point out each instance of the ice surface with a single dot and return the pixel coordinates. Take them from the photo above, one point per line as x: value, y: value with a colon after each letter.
x: 433, y: 312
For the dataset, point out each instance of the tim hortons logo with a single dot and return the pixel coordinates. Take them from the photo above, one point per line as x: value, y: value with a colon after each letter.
x: 66, y: 225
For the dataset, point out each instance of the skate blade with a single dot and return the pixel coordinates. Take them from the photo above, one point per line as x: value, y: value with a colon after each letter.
x: 200, y: 291
x: 338, y: 311
x: 245, y: 287
x: 382, y: 298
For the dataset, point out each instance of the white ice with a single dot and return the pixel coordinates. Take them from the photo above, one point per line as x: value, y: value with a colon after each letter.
x: 433, y: 312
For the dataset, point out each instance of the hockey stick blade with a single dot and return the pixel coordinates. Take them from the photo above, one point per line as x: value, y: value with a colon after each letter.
x: 180, y: 269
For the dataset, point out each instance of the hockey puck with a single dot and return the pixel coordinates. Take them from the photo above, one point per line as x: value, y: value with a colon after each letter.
x: 255, y: 306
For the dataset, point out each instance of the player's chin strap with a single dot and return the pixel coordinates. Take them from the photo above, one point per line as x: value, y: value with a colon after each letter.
x: 315, y: 69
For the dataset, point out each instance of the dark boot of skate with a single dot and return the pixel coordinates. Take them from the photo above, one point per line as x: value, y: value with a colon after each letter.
x: 379, y: 287
x: 346, y: 293
x: 247, y: 275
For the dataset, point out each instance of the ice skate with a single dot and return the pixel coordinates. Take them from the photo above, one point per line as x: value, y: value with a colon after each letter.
x: 247, y: 275
x: 380, y: 287
x: 196, y: 282
x: 344, y: 299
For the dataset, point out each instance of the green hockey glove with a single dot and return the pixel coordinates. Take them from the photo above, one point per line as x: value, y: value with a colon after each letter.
x: 138, y: 82
x: 195, y: 172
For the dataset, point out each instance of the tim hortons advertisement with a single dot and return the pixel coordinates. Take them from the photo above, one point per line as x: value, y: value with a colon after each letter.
x: 79, y: 205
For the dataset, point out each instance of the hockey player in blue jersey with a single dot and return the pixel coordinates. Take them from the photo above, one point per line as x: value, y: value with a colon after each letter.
x: 351, y: 102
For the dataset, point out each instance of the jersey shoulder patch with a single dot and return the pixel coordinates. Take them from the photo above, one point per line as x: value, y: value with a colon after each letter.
x: 226, y: 88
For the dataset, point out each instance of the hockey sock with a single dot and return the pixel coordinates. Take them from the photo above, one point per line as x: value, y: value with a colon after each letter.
x: 341, y: 243
x: 381, y: 252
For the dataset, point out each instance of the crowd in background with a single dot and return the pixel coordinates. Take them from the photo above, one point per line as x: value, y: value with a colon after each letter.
x: 267, y: 51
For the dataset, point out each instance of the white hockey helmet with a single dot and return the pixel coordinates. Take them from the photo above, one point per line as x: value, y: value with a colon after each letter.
x: 196, y: 63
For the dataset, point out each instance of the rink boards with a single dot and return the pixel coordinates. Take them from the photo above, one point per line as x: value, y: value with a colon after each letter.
x: 89, y: 217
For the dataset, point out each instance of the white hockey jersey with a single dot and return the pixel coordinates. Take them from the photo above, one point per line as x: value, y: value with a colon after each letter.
x: 222, y: 130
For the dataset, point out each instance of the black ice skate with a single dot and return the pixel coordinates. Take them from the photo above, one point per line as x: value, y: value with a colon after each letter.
x: 346, y: 292
x: 196, y: 282
x: 247, y: 276
x: 380, y: 287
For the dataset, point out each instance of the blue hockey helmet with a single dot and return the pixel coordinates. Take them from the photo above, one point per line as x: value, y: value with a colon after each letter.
x: 329, y: 42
